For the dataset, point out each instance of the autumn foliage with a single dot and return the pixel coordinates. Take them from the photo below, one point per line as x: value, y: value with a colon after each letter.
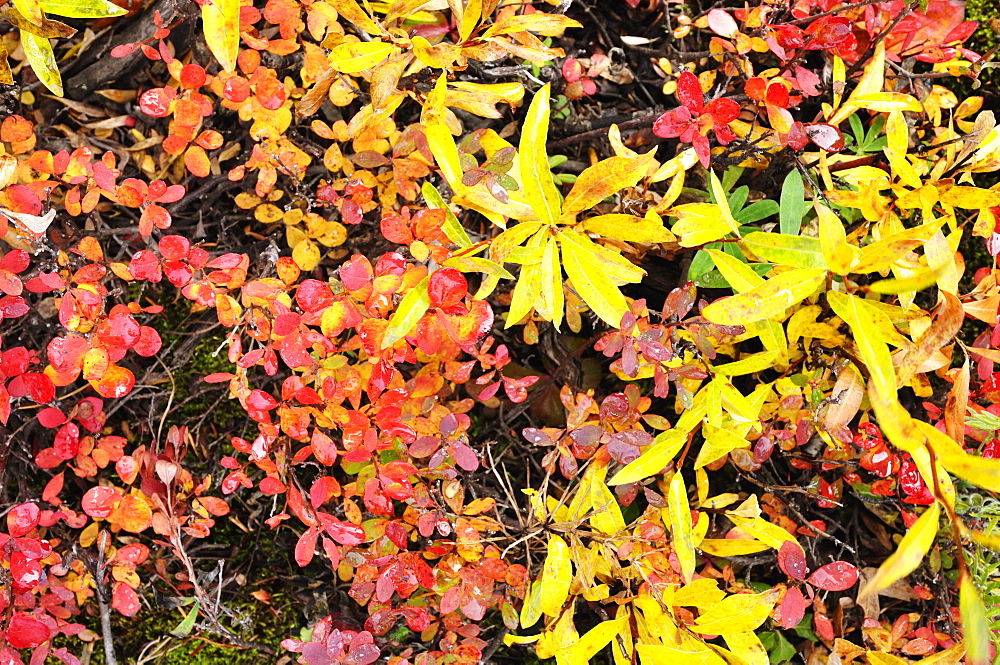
x: 715, y: 386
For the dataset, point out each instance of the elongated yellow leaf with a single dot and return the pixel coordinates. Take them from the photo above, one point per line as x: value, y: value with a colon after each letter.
x: 756, y: 362
x: 536, y: 177
x: 839, y: 256
x: 557, y: 574
x: 699, y: 223
x: 540, y: 23
x: 881, y: 658
x: 770, y: 534
x: 43, y: 61
x: 356, y: 57
x: 726, y: 547
x: 723, y: 202
x: 647, y: 229
x: 783, y: 249
x: 738, y: 613
x: 688, y: 653
x: 439, y: 138
x: 908, y: 555
x: 592, y: 642
x: 603, y: 179
x: 767, y: 300
x: 616, y: 267
x: 607, y: 514
x: 81, y: 8
x: 885, y: 252
x: 680, y: 526
x: 702, y: 592
x: 552, y: 282
x: 406, y: 316
x: 970, y: 198
x: 525, y: 294
x: 979, y: 471
x: 653, y: 459
x: 30, y: 10
x: 975, y: 623
x: 221, y: 24
x: 874, y: 351
x: 471, y: 16
x: 872, y: 80
x: 600, y: 294
x: 884, y: 102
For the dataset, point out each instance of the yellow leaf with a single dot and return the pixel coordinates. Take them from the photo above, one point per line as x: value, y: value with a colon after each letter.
x: 718, y: 442
x: 917, y: 540
x: 536, y: 177
x: 979, y: 471
x: 306, y: 255
x: 649, y: 229
x: 748, y: 647
x: 970, y: 198
x: 755, y: 362
x: 549, y: 25
x: 884, y: 102
x: 592, y: 642
x: 738, y: 613
x: 767, y: 300
x: 653, y: 459
x: 471, y: 16
x: 680, y: 526
x: 591, y: 282
x: 881, y: 658
x: 221, y: 24
x: 874, y: 352
x: 43, y: 61
x: 882, y: 254
x: 699, y: 223
x: 439, y: 138
x: 439, y: 56
x: 30, y: 10
x: 975, y: 623
x: 350, y: 10
x: 723, y: 202
x: 655, y: 654
x: 770, y: 534
x: 406, y: 316
x: 702, y: 592
x: 871, y: 82
x: 603, y: 179
x: 356, y: 57
x: 557, y: 573
x: 727, y: 547
x: 839, y: 256
x: 552, y: 282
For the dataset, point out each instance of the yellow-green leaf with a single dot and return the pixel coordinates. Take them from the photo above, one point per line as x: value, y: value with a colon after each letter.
x: 874, y: 351
x: 557, y: 574
x: 738, y: 613
x: 784, y: 249
x: 356, y: 57
x: 451, y: 227
x: 43, y: 61
x: 81, y: 8
x: 605, y: 178
x: 699, y: 223
x: 406, y: 316
x: 975, y: 623
x: 552, y: 282
x: 648, y: 229
x: 607, y: 514
x: 680, y: 526
x: 718, y: 442
x: 221, y: 24
x: 536, y: 177
x: 839, y: 256
x: 755, y: 362
x: 723, y: 202
x: 884, y: 102
x: 917, y: 540
x: 871, y: 82
x: 980, y: 471
x: 767, y: 300
x: 727, y: 547
x: 531, y: 611
x: 525, y: 294
x: 439, y: 138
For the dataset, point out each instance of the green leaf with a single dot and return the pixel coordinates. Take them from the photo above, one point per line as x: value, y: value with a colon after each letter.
x: 43, y: 61
x: 757, y: 211
x: 82, y: 8
x: 183, y: 629
x: 793, y: 204
x: 406, y: 316
x: 536, y: 178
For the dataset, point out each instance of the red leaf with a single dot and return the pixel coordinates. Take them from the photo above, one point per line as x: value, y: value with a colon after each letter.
x: 323, y: 448
x: 344, y: 533
x: 836, y: 576
x: 125, y: 600
x: 689, y: 92
x: 792, y: 608
x: 156, y: 102
x: 826, y: 137
x: 722, y: 23
x: 22, y: 519
x: 792, y: 561
x: 446, y: 288
x: 99, y: 501
x: 306, y: 547
x: 25, y: 632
